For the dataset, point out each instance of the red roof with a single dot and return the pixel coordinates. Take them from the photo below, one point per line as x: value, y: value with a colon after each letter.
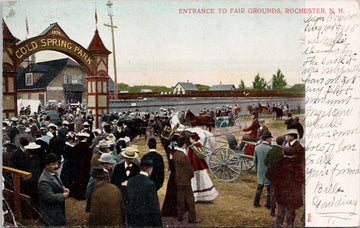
x: 7, y: 35
x: 97, y: 45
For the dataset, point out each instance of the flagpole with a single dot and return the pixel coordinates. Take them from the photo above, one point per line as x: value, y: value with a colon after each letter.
x: 109, y: 4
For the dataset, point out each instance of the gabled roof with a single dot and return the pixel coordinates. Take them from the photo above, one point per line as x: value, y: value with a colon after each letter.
x: 96, y: 44
x: 222, y: 88
x: 50, y: 69
x: 7, y: 35
x: 188, y: 86
x: 111, y: 85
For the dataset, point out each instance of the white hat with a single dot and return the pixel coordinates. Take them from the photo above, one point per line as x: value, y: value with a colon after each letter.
x: 32, y: 146
x: 102, y: 144
x: 107, y: 158
x: 51, y: 125
x: 65, y: 122
x: 86, y: 123
x: 27, y: 130
x: 292, y: 132
x: 83, y: 134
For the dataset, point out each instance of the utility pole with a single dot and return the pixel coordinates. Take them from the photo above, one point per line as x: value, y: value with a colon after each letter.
x: 110, y: 14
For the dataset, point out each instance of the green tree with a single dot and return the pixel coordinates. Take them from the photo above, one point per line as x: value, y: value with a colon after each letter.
x: 278, y: 81
x: 202, y: 87
x: 242, y: 86
x: 259, y: 83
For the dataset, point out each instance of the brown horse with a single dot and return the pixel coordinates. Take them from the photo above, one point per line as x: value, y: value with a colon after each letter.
x: 264, y: 109
x: 203, y: 120
x: 278, y: 112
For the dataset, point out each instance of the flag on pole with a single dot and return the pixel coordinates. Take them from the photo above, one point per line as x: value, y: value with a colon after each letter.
x: 96, y: 19
x: 27, y: 26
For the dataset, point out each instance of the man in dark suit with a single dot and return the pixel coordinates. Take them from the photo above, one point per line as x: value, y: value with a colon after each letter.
x: 52, y: 194
x: 143, y: 209
x: 183, y: 174
x: 125, y: 170
x: 61, y: 138
x: 157, y: 174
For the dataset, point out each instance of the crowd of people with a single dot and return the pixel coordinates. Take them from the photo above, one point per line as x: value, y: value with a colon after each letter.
x: 103, y: 167
x: 279, y: 167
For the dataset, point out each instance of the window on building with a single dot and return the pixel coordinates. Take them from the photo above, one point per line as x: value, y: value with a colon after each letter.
x: 66, y: 79
x: 29, y: 79
x: 80, y: 79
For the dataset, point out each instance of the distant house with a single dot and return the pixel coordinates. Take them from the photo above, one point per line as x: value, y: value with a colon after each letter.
x: 299, y: 86
x: 222, y: 88
x: 60, y: 80
x: 145, y: 90
x: 183, y: 87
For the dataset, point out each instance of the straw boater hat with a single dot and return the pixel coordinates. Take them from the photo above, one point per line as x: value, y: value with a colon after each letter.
x: 129, y: 153
x: 86, y: 123
x: 65, y: 122
x: 110, y: 137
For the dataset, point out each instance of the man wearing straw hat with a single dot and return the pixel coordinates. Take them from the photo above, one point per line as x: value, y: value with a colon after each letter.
x: 125, y: 170
x: 292, y: 137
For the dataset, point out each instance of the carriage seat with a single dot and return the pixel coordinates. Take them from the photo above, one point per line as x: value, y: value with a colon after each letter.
x: 233, y: 144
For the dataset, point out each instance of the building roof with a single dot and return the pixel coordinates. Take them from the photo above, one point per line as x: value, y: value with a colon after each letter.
x: 7, y: 35
x: 74, y: 88
x: 97, y: 45
x: 111, y: 85
x: 188, y: 86
x: 50, y: 69
x: 222, y: 88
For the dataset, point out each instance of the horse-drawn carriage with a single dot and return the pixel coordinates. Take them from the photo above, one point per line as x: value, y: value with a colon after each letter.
x: 226, y: 162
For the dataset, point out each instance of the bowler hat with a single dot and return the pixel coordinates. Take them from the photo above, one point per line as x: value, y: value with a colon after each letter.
x: 99, y: 173
x: 50, y: 158
x: 146, y: 162
x: 151, y: 142
x: 129, y: 153
x: 266, y: 134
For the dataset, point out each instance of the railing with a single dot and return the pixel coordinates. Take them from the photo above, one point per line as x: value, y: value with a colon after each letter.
x: 17, y: 175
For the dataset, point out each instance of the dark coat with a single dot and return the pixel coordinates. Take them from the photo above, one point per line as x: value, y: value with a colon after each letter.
x: 299, y: 153
x: 18, y: 160
x: 119, y: 176
x: 143, y: 204
x: 42, y: 151
x: 106, y: 207
x: 287, y: 178
x: 82, y: 154
x: 52, y: 201
x: 53, y: 145
x: 61, y: 139
x: 183, y: 168
x: 68, y: 170
x: 157, y: 174
x: 274, y: 155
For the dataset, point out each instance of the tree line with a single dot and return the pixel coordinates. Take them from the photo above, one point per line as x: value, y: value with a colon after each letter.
x: 277, y: 83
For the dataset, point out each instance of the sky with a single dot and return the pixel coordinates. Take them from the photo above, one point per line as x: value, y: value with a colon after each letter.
x: 156, y: 45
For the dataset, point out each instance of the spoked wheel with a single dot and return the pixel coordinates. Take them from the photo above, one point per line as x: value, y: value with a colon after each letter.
x: 247, y: 162
x: 240, y: 123
x: 225, y: 165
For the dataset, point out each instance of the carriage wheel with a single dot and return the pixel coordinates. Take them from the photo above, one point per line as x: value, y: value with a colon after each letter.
x: 224, y: 123
x: 247, y: 162
x: 240, y: 122
x: 225, y: 165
